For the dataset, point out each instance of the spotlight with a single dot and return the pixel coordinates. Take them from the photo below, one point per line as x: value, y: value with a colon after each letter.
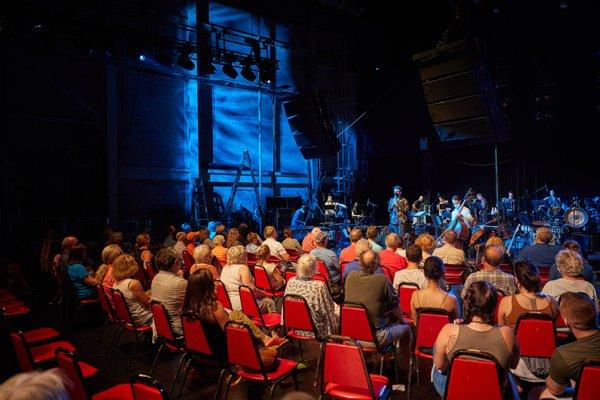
x: 184, y: 60
x: 228, y: 67
x: 206, y: 69
x: 266, y: 71
x: 164, y: 59
x: 247, y: 72
x: 142, y: 57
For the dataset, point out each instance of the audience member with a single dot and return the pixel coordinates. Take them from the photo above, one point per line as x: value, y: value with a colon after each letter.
x: 448, y: 252
x: 492, y: 258
x: 191, y: 239
x: 180, y: 245
x: 220, y: 251
x: 168, y: 287
x: 109, y: 255
x: 322, y: 253
x: 349, y: 253
x: 412, y: 273
x: 35, y: 385
x: 433, y: 296
x: 67, y: 243
x: 273, y: 272
x: 308, y: 243
x: 233, y: 237
x: 124, y: 269
x: 541, y: 253
x: 371, y: 234
x: 570, y: 267
x: 83, y: 280
x: 588, y: 271
x: 361, y: 246
x: 389, y: 258
x: 252, y: 246
x: 170, y: 239
x: 202, y: 255
x: 427, y: 244
x: 143, y: 254
x: 275, y: 247
x: 289, y: 242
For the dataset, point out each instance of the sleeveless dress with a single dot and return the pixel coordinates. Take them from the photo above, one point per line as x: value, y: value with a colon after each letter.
x: 230, y: 276
x: 140, y: 315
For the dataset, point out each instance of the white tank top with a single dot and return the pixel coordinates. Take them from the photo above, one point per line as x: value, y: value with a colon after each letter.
x: 230, y: 276
x: 140, y: 315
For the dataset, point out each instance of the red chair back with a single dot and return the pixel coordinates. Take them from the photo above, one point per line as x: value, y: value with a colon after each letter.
x: 536, y: 334
x: 162, y: 321
x: 121, y: 309
x: 322, y: 271
x: 273, y: 259
x: 500, y: 297
x: 430, y: 322
x: 506, y: 268
x: 150, y: 272
x: 193, y: 334
x: 241, y: 349
x: 222, y: 294
x: 70, y: 368
x: 474, y: 375
x: 294, y: 254
x: 146, y: 388
x: 544, y: 273
x: 21, y: 351
x: 261, y: 279
x: 405, y: 292
x: 344, y: 365
x: 251, y: 259
x: 107, y: 307
x: 454, y: 274
x: 354, y: 322
x: 249, y: 304
x: 588, y: 382
x: 289, y: 275
x: 296, y: 315
x: 188, y: 260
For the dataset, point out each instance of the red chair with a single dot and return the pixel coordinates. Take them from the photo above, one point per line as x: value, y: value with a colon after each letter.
x: 345, y: 374
x: 149, y: 271
x: 588, y: 381
x: 544, y: 273
x: 289, y: 275
x: 242, y: 352
x: 343, y: 269
x: 5, y: 297
x: 164, y: 332
x: 297, y: 316
x: 188, y: 260
x: 141, y: 386
x: 251, y: 309
x: 222, y: 295
x: 322, y: 272
x: 536, y: 334
x: 355, y: 323
x: 108, y: 310
x: 80, y: 304
x: 475, y: 375
x: 251, y: 259
x: 294, y: 254
x: 197, y: 347
x: 273, y: 259
x: 126, y: 323
x: 500, y: 297
x: 430, y: 322
x: 14, y: 310
x: 263, y: 282
x: 405, y: 292
x: 32, y: 336
x: 454, y: 274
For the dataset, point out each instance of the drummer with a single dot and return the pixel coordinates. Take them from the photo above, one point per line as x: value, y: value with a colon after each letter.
x: 542, y: 253
x: 552, y: 199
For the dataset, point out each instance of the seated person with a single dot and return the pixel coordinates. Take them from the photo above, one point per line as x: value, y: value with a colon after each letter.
x: 433, y: 296
x: 492, y: 258
x: 276, y: 248
x: 579, y: 313
x: 168, y: 287
x: 570, y: 266
x: 541, y: 253
x: 219, y: 250
x: 325, y: 313
x: 83, y: 280
x: 427, y: 244
x: 389, y: 258
x: 308, y: 243
x: 448, y: 253
x: 372, y: 232
x: 180, y: 244
x: 588, y: 271
x: 412, y: 274
x: 289, y: 242
x: 124, y: 269
x: 361, y: 246
x: 200, y: 298
x: 380, y: 299
x: 275, y: 277
x: 321, y: 252
x: 478, y: 332
x: 349, y: 253
x: 203, y: 256
x: 253, y: 243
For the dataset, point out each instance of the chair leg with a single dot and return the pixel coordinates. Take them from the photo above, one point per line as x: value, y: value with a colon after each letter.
x: 273, y: 386
x: 410, y: 371
x: 102, y: 333
x: 185, y: 375
x: 137, y: 341
x: 301, y: 353
x: 418, y: 373
x: 227, y: 387
x: 114, y: 343
x: 396, y: 364
x: 156, y: 360
x: 176, y: 373
x: 318, y: 365
x: 295, y: 378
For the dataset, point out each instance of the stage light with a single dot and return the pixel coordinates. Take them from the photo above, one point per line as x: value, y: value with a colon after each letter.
x: 247, y: 72
x: 228, y: 68
x: 184, y: 60
x: 164, y: 59
x: 266, y: 71
x: 142, y: 57
x: 206, y: 68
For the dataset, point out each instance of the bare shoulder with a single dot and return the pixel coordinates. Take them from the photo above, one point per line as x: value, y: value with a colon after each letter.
x: 507, y: 333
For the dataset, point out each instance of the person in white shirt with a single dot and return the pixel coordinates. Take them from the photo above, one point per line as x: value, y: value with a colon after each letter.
x: 570, y: 266
x: 411, y: 274
x: 448, y: 253
x: 465, y: 213
x: 276, y: 248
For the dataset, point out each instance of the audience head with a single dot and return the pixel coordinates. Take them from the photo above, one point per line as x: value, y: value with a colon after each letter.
x: 180, y: 237
x: 433, y: 268
x: 426, y: 242
x: 315, y: 230
x: 569, y: 263
x: 361, y: 246
x: 191, y: 236
x: 450, y: 237
x: 495, y: 241
x: 543, y: 235
x: 578, y: 310
x: 236, y: 255
x: 124, y: 267
x: 77, y: 253
x: 202, y: 254
x: 392, y: 241
x: 572, y: 245
x: 209, y: 243
x: 355, y: 234
x: 232, y: 237
x: 270, y: 232
x: 115, y: 238
x: 220, y: 229
x: 369, y: 261
x: 218, y: 240
x: 167, y: 259
x: 527, y: 277
x: 372, y: 232
x: 203, y: 234
x: 35, y: 385
x: 252, y: 238
x: 171, y: 230
x: 321, y: 239
x: 142, y: 240
x: 110, y: 252
x: 307, y: 266
x: 68, y: 242
x: 480, y: 301
x: 263, y: 252
x: 287, y: 232
x: 200, y: 294
x: 414, y: 254
x: 492, y: 255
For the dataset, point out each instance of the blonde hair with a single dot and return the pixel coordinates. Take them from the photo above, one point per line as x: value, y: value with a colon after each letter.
x: 124, y: 267
x: 202, y: 254
x: 569, y: 263
x: 263, y: 252
x: 392, y: 240
x: 361, y: 246
x: 495, y: 241
x: 236, y: 255
x: 306, y: 267
x: 269, y: 231
x: 110, y: 252
x: 544, y: 235
x: 35, y: 385
x: 426, y: 242
x: 143, y: 239
x: 219, y: 240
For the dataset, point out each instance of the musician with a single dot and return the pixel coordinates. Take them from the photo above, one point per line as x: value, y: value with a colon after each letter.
x: 334, y: 209
x: 481, y: 206
x: 299, y: 218
x: 417, y: 205
x: 397, y: 207
x: 552, y: 199
x: 357, y: 211
x: 465, y: 213
x: 442, y: 205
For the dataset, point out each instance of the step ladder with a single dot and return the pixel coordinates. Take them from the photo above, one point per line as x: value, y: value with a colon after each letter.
x: 200, y: 207
x: 246, y: 163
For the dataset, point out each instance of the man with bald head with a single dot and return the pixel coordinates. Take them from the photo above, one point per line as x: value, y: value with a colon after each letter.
x: 349, y: 253
x: 492, y: 257
x: 379, y: 297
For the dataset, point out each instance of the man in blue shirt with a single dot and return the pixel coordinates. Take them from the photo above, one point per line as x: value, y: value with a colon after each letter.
x: 299, y: 218
x: 327, y: 256
x: 361, y: 246
x: 542, y: 253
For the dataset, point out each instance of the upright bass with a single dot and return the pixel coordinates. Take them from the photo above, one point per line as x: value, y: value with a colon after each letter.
x: 458, y: 225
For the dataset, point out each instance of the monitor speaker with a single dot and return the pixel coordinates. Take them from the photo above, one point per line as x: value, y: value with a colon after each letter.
x: 309, y: 120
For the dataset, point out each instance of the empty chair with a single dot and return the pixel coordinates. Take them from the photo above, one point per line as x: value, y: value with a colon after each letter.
x: 32, y: 336
x: 344, y: 374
